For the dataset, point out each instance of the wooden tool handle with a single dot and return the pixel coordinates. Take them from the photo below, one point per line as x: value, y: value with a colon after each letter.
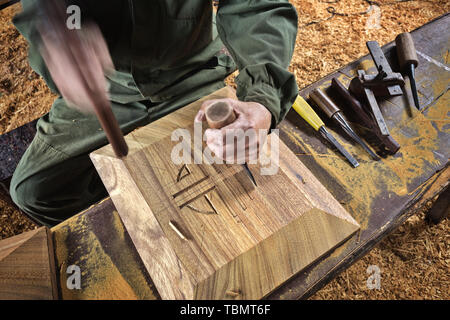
x: 307, y: 113
x: 406, y: 52
x: 324, y: 102
x: 111, y: 127
x: 219, y: 114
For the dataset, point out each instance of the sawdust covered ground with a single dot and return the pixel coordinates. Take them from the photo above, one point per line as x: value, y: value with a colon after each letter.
x: 414, y: 260
x: 23, y: 95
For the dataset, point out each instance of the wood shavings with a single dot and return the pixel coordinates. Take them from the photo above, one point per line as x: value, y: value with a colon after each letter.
x: 414, y: 263
x: 23, y: 95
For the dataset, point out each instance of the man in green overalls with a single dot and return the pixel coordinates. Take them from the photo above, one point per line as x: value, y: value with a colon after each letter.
x: 166, y: 54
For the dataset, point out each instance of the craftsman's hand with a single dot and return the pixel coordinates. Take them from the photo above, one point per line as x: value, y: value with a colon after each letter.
x: 77, y: 61
x: 251, y: 116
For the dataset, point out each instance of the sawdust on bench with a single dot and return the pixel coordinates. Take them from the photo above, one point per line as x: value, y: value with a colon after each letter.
x: 414, y: 260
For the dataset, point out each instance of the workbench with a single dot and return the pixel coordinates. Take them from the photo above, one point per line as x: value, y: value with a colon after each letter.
x: 379, y: 195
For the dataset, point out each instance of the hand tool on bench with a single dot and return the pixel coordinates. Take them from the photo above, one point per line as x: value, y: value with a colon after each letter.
x: 407, y: 58
x: 219, y: 115
x: 55, y: 23
x: 334, y: 112
x: 385, y: 83
x: 308, y: 114
x: 365, y: 118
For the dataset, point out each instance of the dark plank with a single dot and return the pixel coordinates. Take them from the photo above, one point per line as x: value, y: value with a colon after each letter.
x: 27, y: 266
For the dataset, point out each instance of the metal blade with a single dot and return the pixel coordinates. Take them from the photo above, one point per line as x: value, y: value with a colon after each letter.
x: 373, y: 104
x: 346, y: 126
x: 338, y: 146
x: 249, y: 173
x: 412, y: 81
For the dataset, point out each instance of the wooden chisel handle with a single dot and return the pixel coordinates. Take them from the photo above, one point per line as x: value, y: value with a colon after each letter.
x: 324, y: 102
x: 111, y: 127
x: 407, y: 58
x: 219, y: 114
x: 406, y: 52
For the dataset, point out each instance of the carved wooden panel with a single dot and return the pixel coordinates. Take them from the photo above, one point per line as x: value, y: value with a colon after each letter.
x: 204, y: 231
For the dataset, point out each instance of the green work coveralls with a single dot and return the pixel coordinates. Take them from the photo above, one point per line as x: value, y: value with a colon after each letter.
x: 167, y: 53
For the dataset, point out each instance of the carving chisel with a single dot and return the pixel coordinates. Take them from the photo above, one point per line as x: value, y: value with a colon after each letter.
x: 219, y: 115
x: 407, y: 58
x: 333, y: 112
x: 308, y: 114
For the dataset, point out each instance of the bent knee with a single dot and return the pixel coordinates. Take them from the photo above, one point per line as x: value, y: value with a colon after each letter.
x: 28, y: 199
x: 19, y: 191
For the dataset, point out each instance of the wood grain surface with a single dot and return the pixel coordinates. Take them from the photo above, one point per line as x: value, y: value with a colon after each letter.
x: 27, y: 266
x: 204, y: 231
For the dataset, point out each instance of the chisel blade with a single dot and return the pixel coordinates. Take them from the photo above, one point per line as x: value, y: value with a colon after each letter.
x: 338, y: 146
x: 412, y: 81
x: 249, y: 173
x: 347, y: 128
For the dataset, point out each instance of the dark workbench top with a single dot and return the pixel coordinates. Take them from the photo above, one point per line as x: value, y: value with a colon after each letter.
x: 379, y: 195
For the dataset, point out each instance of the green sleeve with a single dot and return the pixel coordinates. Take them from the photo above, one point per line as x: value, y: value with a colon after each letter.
x: 260, y: 35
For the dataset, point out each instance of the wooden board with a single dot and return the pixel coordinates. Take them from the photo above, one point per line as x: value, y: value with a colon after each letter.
x: 27, y: 266
x: 231, y: 240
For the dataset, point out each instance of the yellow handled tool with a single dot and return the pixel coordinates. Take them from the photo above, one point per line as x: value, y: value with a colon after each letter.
x: 308, y: 114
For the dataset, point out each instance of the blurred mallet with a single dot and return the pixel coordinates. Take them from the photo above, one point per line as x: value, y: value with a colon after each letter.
x: 53, y: 26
